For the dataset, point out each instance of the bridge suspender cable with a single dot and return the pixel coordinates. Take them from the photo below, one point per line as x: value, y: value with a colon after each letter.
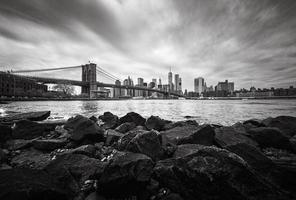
x: 47, y: 69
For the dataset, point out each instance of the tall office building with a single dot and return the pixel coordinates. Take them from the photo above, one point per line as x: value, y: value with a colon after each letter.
x: 170, y: 80
x: 117, y: 91
x: 154, y: 80
x: 176, y: 82
x: 140, y: 81
x: 199, y: 85
x: 180, y: 85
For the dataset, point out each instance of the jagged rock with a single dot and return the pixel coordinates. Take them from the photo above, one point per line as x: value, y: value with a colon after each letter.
x: 226, y: 136
x: 88, y: 150
x: 133, y: 117
x: 110, y: 121
x: 51, y: 125
x: 72, y: 170
x: 286, y: 124
x: 254, y: 122
x: 5, y: 133
x: 127, y: 173
x: 94, y: 119
x: 125, y: 139
x: 49, y: 144
x: 179, y: 133
x: 95, y: 196
x: 180, y: 124
x: 31, y: 159
x: 3, y: 156
x: 29, y: 184
x: 202, y: 172
x: 112, y: 136
x: 155, y: 122
x: 18, y: 144
x: 125, y: 127
x: 81, y: 128
x: 148, y: 143
x: 270, y: 137
x: 26, y: 129
x: 32, y: 116
x: 293, y: 143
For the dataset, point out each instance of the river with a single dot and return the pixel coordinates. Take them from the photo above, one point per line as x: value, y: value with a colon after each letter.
x: 224, y: 112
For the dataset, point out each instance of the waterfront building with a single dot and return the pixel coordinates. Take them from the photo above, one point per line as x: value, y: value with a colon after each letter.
x: 225, y: 88
x: 128, y: 82
x: 159, y: 81
x: 199, y: 85
x: 176, y: 82
x: 179, y: 90
x: 170, y: 80
x: 18, y: 86
x: 117, y: 91
x: 154, y: 80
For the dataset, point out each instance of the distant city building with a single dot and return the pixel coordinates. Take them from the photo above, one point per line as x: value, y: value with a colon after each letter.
x: 179, y: 90
x: 128, y: 82
x: 170, y: 80
x: 225, y: 88
x: 176, y: 82
x: 159, y: 81
x: 117, y: 91
x: 154, y: 80
x: 199, y: 85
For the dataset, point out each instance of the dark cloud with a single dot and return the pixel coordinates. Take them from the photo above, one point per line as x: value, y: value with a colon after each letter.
x: 249, y: 42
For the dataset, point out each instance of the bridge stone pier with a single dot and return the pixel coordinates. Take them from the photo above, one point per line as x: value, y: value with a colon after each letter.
x: 89, y: 74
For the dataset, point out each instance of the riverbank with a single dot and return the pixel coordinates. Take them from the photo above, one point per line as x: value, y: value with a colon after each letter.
x: 131, y: 157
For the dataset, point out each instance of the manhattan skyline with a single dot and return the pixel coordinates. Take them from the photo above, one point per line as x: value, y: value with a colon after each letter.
x: 250, y: 43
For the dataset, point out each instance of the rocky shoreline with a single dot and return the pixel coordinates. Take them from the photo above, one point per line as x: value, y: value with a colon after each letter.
x: 130, y: 157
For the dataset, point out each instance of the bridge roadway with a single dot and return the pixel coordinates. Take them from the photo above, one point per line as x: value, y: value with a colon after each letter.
x: 99, y: 84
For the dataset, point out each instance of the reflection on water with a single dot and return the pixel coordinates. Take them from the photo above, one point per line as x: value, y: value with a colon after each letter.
x: 224, y: 112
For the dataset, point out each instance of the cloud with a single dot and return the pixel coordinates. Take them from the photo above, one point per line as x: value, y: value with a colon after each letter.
x: 248, y: 42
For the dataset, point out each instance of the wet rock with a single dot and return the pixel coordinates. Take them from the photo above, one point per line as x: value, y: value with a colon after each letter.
x: 94, y: 119
x: 125, y: 127
x: 127, y: 173
x: 72, y: 170
x: 29, y: 184
x: 32, y: 116
x: 270, y: 137
x: 18, y: 144
x: 293, y: 143
x: 177, y: 134
x: 95, y: 196
x: 88, y: 150
x: 203, y: 172
x: 125, y: 139
x: 133, y: 117
x: 254, y: 122
x: 48, y: 144
x: 286, y: 124
x: 5, y: 133
x: 3, y: 156
x: 82, y: 128
x: 31, y: 159
x: 226, y: 136
x: 180, y: 124
x: 110, y: 121
x: 112, y: 136
x: 155, y: 122
x: 148, y: 143
x: 26, y: 129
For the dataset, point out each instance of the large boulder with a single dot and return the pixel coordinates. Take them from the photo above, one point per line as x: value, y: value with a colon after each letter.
x: 226, y: 136
x: 18, y: 144
x: 110, y: 121
x: 112, y: 137
x: 180, y: 133
x: 31, y: 158
x: 202, y: 172
x: 286, y: 124
x: 125, y: 127
x: 26, y: 129
x: 148, y: 143
x: 270, y: 137
x: 126, y: 174
x: 49, y: 144
x: 171, y: 125
x: 88, y: 150
x: 5, y: 133
x: 32, y: 116
x: 155, y: 122
x: 82, y: 128
x: 124, y: 140
x: 133, y: 117
x: 29, y: 184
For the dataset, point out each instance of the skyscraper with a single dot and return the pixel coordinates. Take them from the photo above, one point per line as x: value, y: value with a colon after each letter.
x: 176, y: 82
x: 170, y: 80
x: 199, y: 85
x: 180, y: 85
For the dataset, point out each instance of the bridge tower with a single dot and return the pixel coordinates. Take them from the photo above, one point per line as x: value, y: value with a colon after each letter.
x: 89, y: 74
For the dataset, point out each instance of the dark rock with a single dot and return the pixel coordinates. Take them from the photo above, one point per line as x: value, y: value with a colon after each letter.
x: 49, y: 144
x: 127, y: 173
x: 125, y: 127
x: 155, y: 122
x: 5, y: 133
x: 112, y: 136
x: 293, y: 143
x: 110, y: 121
x: 125, y: 139
x: 26, y: 129
x: 32, y: 116
x: 88, y: 150
x: 170, y: 125
x: 29, y: 184
x: 95, y: 196
x: 72, y: 170
x: 133, y: 117
x: 226, y: 136
x: 202, y: 172
x: 270, y: 137
x: 31, y: 159
x: 179, y: 133
x: 82, y: 128
x: 18, y: 144
x: 94, y: 119
x: 286, y: 124
x: 148, y: 143
x: 51, y: 125
x: 3, y: 156
x: 254, y: 122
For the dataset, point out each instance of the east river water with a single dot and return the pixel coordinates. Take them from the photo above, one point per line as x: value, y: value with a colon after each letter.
x: 224, y: 112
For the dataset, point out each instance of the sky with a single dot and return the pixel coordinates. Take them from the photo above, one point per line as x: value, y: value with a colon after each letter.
x: 249, y: 42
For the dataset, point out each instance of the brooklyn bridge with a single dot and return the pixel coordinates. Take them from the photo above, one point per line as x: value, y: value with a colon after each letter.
x: 88, y: 83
